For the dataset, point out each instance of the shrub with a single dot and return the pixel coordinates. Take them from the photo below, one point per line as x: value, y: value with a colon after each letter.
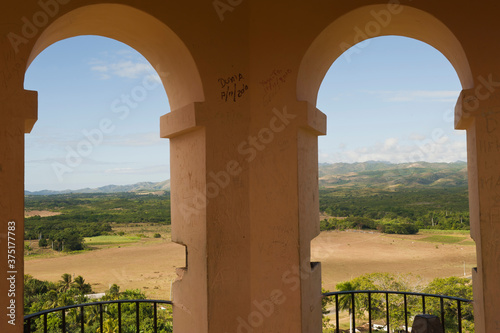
x: 43, y: 242
x: 400, y: 228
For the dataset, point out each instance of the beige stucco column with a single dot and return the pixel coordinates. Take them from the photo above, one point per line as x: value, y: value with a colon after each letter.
x: 478, y: 111
x: 244, y: 203
x: 17, y: 116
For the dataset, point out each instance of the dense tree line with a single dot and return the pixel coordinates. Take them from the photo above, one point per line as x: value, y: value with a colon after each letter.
x: 439, y: 208
x: 89, y: 215
x: 43, y: 295
x: 365, y: 223
x: 117, y: 207
x: 401, y: 211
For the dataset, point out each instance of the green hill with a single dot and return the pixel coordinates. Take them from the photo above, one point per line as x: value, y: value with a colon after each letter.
x: 380, y: 175
x: 388, y: 176
x: 378, y: 194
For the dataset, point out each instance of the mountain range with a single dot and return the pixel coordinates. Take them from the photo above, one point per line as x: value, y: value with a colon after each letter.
x: 384, y: 175
x: 142, y: 187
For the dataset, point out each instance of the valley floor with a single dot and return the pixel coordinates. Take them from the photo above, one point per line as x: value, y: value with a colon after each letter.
x: 346, y: 255
x: 150, y: 266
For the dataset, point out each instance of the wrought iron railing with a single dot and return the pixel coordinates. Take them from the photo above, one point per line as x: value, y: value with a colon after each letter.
x: 436, y: 300
x: 29, y: 319
x: 369, y: 294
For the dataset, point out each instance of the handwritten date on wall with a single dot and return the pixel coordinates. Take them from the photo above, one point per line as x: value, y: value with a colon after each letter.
x: 232, y: 88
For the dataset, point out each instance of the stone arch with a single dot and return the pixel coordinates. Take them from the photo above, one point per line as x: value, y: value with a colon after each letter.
x: 153, y: 39
x: 374, y: 21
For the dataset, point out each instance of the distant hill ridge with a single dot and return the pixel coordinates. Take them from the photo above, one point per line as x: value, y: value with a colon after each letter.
x: 143, y: 187
x: 347, y: 175
x: 391, y: 176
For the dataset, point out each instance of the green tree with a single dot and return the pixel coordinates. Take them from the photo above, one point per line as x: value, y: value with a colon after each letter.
x: 65, y: 282
x: 346, y: 300
x: 377, y: 302
x: 456, y: 287
x: 51, y: 300
x: 325, y: 302
x: 43, y: 243
x: 80, y: 285
x: 114, y: 290
x: 43, y: 295
x: 28, y: 249
x: 109, y: 326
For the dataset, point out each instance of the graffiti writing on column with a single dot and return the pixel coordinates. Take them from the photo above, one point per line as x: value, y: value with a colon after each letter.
x: 233, y: 87
x: 490, y: 183
x: 492, y: 119
x: 490, y: 145
x: 273, y: 83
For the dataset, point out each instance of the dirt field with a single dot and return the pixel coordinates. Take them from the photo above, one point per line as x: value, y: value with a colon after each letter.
x: 150, y: 267
x: 41, y: 213
x: 344, y: 255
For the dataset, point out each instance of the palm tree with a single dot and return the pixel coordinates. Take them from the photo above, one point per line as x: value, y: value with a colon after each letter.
x: 65, y: 300
x: 92, y: 313
x: 81, y: 286
x: 110, y: 326
x: 114, y: 290
x: 51, y: 300
x: 345, y: 300
x: 65, y: 282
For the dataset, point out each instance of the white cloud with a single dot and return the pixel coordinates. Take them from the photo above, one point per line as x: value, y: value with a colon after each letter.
x: 131, y: 70
x: 156, y: 169
x: 100, y: 68
x: 119, y: 170
x: 123, y: 63
x: 126, y: 69
x: 390, y: 143
x: 125, y: 52
x: 416, y: 137
x: 417, y: 95
x: 135, y: 140
x: 59, y: 143
x: 397, y: 151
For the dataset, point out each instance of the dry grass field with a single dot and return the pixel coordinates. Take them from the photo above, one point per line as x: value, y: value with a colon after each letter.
x: 346, y: 255
x: 149, y: 264
x: 41, y: 213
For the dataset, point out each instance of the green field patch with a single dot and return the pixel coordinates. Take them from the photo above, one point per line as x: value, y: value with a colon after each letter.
x: 447, y: 232
x: 443, y: 239
x: 111, y: 240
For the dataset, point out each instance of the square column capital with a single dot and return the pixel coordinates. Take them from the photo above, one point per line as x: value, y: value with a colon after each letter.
x: 180, y: 121
x: 24, y: 105
x: 482, y: 100
x: 312, y: 118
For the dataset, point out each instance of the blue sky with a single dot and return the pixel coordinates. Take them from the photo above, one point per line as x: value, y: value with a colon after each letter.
x: 391, y: 100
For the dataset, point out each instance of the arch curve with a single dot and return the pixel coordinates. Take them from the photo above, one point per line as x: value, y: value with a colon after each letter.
x: 166, y: 52
x: 374, y: 21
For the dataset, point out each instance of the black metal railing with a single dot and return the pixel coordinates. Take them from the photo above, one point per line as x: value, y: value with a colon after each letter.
x: 430, y: 304
x: 29, y: 319
x: 372, y: 304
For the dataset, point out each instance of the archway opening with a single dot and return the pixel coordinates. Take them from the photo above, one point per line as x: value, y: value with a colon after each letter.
x: 391, y: 162
x: 96, y: 148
